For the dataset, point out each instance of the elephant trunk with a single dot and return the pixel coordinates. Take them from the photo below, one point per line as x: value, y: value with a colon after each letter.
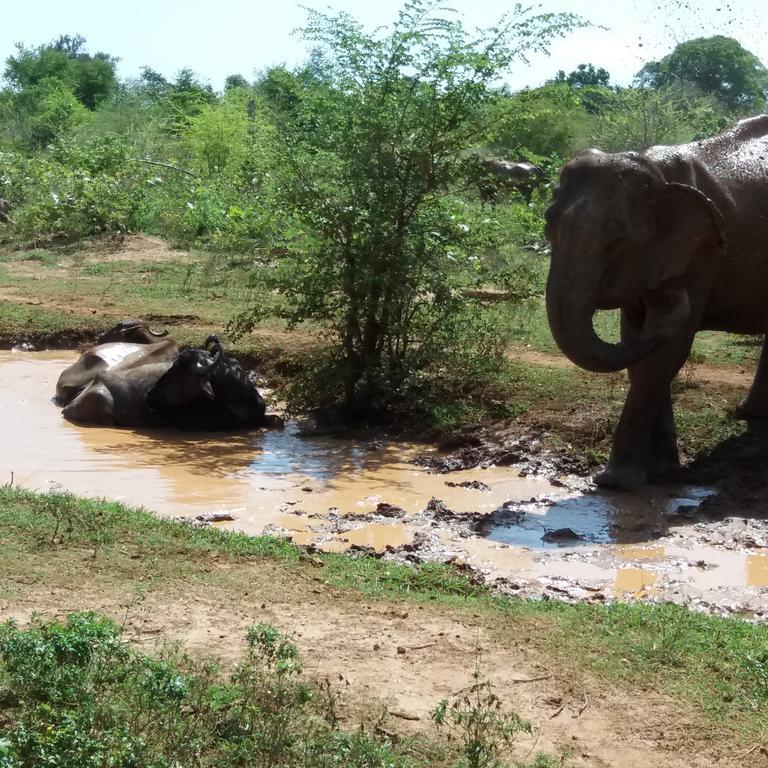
x: 570, y: 310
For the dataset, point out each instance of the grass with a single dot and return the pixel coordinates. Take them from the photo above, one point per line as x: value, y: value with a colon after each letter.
x: 74, y: 694
x: 718, y: 666
x: 207, y: 289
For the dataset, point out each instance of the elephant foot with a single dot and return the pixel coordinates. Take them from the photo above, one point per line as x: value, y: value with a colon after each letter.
x: 663, y: 470
x: 621, y: 478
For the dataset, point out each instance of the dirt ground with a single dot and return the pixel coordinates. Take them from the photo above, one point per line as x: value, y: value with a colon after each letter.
x: 409, y: 656
x: 405, y: 656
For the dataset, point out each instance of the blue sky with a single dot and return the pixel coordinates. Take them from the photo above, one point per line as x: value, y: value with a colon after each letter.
x: 245, y: 36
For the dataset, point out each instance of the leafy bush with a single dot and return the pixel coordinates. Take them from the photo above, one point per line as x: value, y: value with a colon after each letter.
x: 75, y: 189
x: 73, y: 694
x: 366, y: 160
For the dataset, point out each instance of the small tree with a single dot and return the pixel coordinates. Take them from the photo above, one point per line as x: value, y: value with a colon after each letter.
x: 637, y: 118
x: 379, y: 130
x: 714, y: 66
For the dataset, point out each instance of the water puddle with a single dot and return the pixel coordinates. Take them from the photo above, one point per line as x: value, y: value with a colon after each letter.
x: 635, y: 582
x: 599, y: 518
x: 537, y: 539
x: 257, y: 477
x: 757, y: 570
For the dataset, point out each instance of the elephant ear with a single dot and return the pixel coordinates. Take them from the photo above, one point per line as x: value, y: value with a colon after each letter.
x: 687, y: 220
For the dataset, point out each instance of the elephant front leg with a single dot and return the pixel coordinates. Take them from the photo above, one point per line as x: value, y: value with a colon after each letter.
x: 632, y: 462
x: 645, y: 441
x: 755, y: 405
x: 663, y: 457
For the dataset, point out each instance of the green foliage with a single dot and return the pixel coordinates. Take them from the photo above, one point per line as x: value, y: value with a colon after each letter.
x: 636, y: 118
x: 714, y: 66
x: 75, y: 694
x: 544, y: 122
x: 585, y: 75
x: 365, y: 165
x: 54, y: 86
x: 77, y: 189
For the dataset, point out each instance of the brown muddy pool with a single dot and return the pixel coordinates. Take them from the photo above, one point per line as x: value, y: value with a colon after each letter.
x: 526, y: 535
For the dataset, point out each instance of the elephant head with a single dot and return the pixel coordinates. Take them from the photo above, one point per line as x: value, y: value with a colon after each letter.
x: 623, y: 237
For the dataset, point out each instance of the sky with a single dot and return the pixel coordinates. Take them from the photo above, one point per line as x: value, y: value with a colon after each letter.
x: 225, y: 37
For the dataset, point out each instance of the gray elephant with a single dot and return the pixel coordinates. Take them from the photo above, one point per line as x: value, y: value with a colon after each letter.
x: 522, y: 177
x: 676, y: 237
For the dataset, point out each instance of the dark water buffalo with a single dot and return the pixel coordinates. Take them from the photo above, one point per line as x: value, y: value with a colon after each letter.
x: 231, y: 399
x: 5, y: 206
x: 132, y: 331
x: 128, y: 341
x: 497, y: 174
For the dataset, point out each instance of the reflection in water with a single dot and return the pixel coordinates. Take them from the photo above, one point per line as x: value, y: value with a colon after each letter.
x: 602, y: 517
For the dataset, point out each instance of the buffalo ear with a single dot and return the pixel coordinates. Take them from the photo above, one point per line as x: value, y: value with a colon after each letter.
x: 207, y: 389
x: 687, y: 220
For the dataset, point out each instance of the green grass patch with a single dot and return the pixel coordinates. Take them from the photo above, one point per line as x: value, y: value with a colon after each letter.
x: 20, y: 319
x: 74, y: 694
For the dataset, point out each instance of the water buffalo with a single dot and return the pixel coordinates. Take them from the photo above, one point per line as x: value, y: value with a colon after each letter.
x: 195, y: 389
x: 132, y: 331
x: 230, y: 398
x: 128, y: 339
x: 522, y: 177
x: 5, y: 206
x: 117, y: 397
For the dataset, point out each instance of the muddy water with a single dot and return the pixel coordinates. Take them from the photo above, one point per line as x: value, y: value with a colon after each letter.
x: 257, y: 477
x: 535, y: 539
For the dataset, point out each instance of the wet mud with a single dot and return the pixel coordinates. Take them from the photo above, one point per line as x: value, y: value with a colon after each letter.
x: 513, y: 516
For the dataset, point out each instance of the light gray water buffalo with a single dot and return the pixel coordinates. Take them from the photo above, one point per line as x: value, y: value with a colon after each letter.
x: 117, y: 396
x: 128, y: 339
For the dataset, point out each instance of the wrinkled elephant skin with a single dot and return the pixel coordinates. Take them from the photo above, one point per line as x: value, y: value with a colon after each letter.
x: 676, y: 237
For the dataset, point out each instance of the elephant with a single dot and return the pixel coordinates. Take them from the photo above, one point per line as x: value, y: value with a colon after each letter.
x: 522, y: 177
x: 676, y: 238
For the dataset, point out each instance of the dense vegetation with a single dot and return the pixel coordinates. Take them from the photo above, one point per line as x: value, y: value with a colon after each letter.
x: 349, y: 187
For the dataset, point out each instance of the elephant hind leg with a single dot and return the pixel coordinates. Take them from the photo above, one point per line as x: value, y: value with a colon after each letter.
x: 755, y: 405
